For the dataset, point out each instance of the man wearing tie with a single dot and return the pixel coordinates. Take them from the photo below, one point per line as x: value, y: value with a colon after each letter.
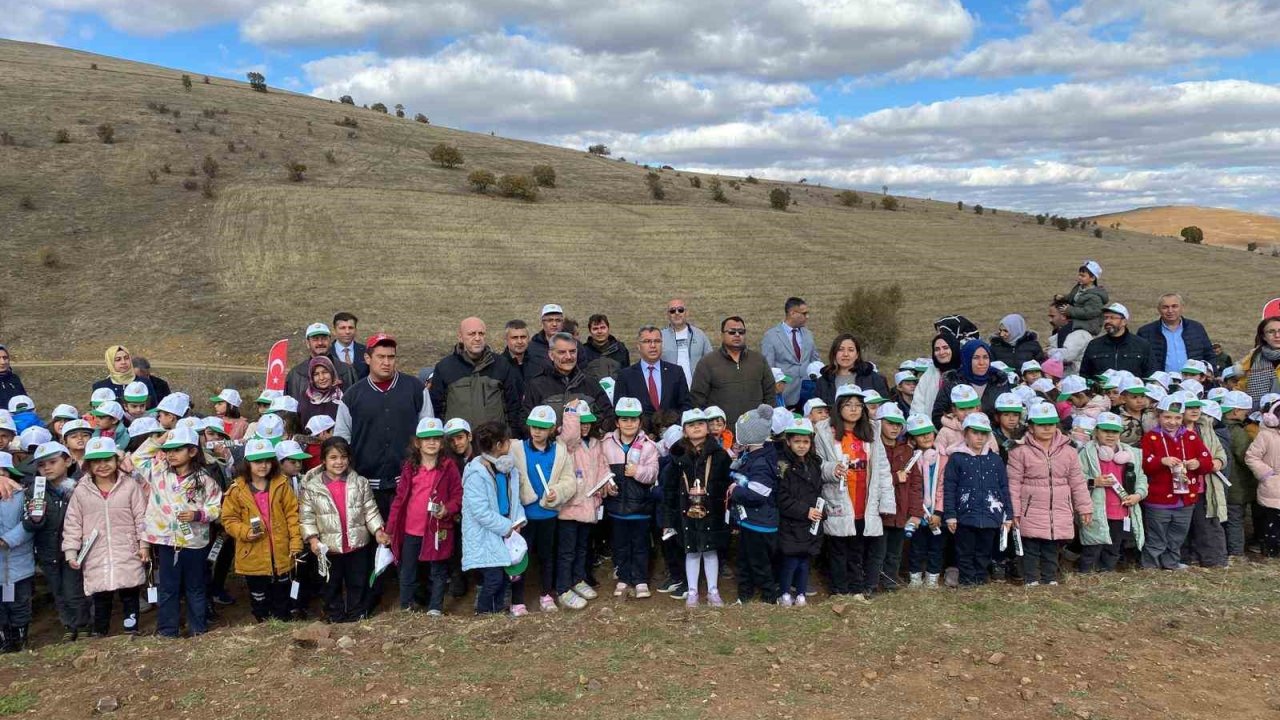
x: 789, y: 346
x: 659, y: 385
x: 345, y: 348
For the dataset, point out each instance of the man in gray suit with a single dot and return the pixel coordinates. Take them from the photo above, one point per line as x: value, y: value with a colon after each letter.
x: 789, y: 346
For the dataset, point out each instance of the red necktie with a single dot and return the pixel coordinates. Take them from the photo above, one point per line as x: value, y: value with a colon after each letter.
x: 795, y: 342
x: 653, y: 390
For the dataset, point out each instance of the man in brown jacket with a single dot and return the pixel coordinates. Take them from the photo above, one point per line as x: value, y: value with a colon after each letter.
x: 734, y: 378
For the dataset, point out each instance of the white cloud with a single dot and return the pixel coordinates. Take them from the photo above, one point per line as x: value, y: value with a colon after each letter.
x: 31, y: 24
x: 150, y: 17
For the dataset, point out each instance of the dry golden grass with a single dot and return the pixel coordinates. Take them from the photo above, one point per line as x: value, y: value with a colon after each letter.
x: 1229, y: 228
x: 408, y: 247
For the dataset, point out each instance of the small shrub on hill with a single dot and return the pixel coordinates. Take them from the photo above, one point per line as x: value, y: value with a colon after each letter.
x: 378, y: 107
x: 752, y: 181
x: 48, y: 257
x: 654, y: 181
x: 960, y: 205
x: 106, y: 134
x: 62, y: 137
x: 1040, y: 219
x: 518, y: 186
x: 480, y: 180
x: 871, y: 313
x: 978, y: 210
x: 297, y: 171
x: 446, y: 156
x: 346, y: 100
x: 779, y: 198
x: 231, y: 146
x: 695, y: 181
x: 717, y: 191
x: 600, y: 149
x: 889, y: 202
x: 206, y: 188
x: 257, y: 81
x: 1192, y: 234
x: 209, y: 167
x: 399, y: 110
x: 421, y: 118
x: 330, y: 158
x: 1097, y: 232
x: 26, y: 203
x: 190, y: 185
x: 1061, y: 223
x: 347, y: 121
x: 544, y: 175
x: 153, y: 177
x: 6, y: 140
x: 848, y: 198
x: 186, y: 83
x: 1251, y: 247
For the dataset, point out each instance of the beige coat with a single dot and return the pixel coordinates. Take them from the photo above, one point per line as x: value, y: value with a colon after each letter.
x: 1263, y: 458
x: 320, y: 517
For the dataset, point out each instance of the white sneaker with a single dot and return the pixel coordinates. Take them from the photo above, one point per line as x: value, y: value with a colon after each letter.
x: 785, y: 600
x: 572, y: 600
x: 800, y: 601
x: 434, y: 613
x: 917, y: 580
x: 620, y: 589
x: 547, y: 604
x: 860, y: 598
x: 584, y: 591
x: 1033, y: 583
x: 642, y: 591
x: 931, y: 580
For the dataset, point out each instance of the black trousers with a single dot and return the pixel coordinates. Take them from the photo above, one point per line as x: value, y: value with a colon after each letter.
x: 346, y: 594
x: 541, y: 536
x: 1270, y: 531
x: 892, y: 565
x: 129, y: 598
x: 1206, y: 540
x: 67, y: 586
x: 973, y: 552
x: 757, y: 553
x: 631, y: 550
x: 18, y: 612
x: 855, y: 561
x: 1040, y: 560
x: 572, y: 540
x: 1103, y: 557
x: 268, y: 595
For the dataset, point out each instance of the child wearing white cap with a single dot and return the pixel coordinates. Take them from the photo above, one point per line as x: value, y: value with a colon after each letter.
x: 23, y: 410
x: 1242, y: 494
x: 135, y: 399
x: 924, y: 489
x: 799, y: 489
x: 1084, y: 302
x: 693, y: 483
x: 633, y: 459
x: 108, y: 421
x: 581, y: 509
x: 1113, y: 471
x: 1176, y: 461
x: 106, y: 510
x: 183, y: 500
x: 976, y: 503
x: 546, y: 482
x: 718, y: 428
x: 900, y: 455
x: 226, y: 407
x: 44, y: 517
x: 1206, y: 538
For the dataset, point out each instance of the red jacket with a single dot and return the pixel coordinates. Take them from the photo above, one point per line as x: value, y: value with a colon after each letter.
x: 447, y: 492
x: 1156, y: 446
x: 899, y: 455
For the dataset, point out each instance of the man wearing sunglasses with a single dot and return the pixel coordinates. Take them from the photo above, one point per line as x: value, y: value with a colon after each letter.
x: 682, y: 343
x: 736, y: 379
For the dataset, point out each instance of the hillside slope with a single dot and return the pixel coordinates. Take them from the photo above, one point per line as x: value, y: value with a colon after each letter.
x: 109, y: 252
x: 1221, y: 226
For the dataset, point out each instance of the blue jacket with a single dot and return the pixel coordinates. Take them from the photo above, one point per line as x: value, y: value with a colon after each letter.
x: 26, y: 419
x: 755, y: 480
x: 1194, y: 337
x: 18, y: 560
x: 483, y: 527
x: 976, y: 490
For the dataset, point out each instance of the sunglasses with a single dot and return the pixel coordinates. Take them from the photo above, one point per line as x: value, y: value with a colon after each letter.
x: 735, y: 332
x: 675, y: 310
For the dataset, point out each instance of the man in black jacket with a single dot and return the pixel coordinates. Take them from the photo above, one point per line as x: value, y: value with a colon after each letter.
x: 319, y: 343
x: 1175, y: 339
x: 652, y: 378
x: 1116, y: 348
x: 602, y: 355
x: 475, y: 383
x: 564, y: 381
x: 539, y: 355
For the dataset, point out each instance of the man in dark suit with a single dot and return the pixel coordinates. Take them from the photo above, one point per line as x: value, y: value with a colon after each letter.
x: 652, y: 378
x: 346, y: 349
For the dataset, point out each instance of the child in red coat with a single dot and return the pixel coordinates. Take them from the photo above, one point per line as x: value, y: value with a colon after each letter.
x: 421, y: 520
x: 1176, y: 462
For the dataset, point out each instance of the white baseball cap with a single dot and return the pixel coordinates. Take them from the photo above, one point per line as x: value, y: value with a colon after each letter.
x: 181, y: 437
x: 19, y: 403
x: 429, y: 427
x: 65, y: 412
x: 1009, y: 402
x: 175, y: 403
x: 977, y: 422
x: 76, y: 425
x: 890, y: 412
x: 290, y: 450
x: 814, y: 369
x: 627, y: 407
x: 455, y: 426
x: 1110, y: 421
x: 797, y: 426
x: 1028, y: 366
x: 544, y: 417
x: 714, y: 412
x: 100, y: 396
x: 99, y: 448
x: 34, y: 436
x: 284, y: 403
x: 780, y: 421
x: 270, y: 427
x: 847, y: 391
x: 229, y: 396
x: 809, y: 405
x: 1216, y: 394
x: 213, y: 422
x: 1170, y: 403
x: 50, y: 449
x: 551, y: 309
x: 920, y: 425
x: 259, y: 449
x: 905, y: 376
x: 1043, y: 385
x: 1026, y: 394
x: 1194, y: 367
x: 318, y: 328
x: 964, y: 396
x: 1071, y: 385
x: 145, y: 425
x: 266, y: 396
x: 1133, y: 386
x: 692, y: 416
x: 1117, y: 309
x: 1191, y: 386
x: 110, y: 408
x: 1212, y: 409
x: 1084, y: 422
x: 779, y: 376
x: 1236, y: 400
x: 1094, y: 268
x: 607, y: 384
x: 136, y: 392
x: 319, y: 424
x: 1156, y: 392
x: 1042, y: 413
x: 1161, y: 377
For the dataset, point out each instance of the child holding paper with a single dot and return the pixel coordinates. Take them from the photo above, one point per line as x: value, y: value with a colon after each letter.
x: 1117, y: 484
x: 421, y: 520
x: 46, y: 510
x: 17, y: 568
x: 799, y: 510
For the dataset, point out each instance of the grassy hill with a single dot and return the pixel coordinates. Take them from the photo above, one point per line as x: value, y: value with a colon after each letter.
x: 104, y: 244
x: 1221, y: 226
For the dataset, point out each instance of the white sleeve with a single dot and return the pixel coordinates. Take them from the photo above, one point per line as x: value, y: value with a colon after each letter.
x: 342, y: 426
x: 428, y: 411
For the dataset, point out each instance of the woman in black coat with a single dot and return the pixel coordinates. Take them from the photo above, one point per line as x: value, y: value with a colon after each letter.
x: 975, y: 370
x: 846, y: 365
x: 1014, y: 344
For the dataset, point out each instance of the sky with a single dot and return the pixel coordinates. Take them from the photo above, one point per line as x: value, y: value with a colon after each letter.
x: 1075, y: 107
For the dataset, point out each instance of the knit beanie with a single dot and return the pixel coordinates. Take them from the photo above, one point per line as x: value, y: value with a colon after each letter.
x: 753, y: 426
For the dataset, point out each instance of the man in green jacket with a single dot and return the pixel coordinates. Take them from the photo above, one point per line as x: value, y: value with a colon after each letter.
x: 733, y: 378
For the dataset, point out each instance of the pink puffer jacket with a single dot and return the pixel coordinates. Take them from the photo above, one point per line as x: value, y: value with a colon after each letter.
x: 589, y: 468
x: 1263, y: 458
x: 112, y: 562
x: 1047, y: 489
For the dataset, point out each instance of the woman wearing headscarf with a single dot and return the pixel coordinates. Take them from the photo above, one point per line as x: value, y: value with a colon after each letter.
x: 975, y: 370
x: 1014, y: 344
x: 846, y: 365
x: 1261, y: 369
x: 324, y: 390
x: 945, y: 352
x: 120, y: 373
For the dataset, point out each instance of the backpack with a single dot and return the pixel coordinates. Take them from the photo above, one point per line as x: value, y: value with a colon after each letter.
x: 477, y: 399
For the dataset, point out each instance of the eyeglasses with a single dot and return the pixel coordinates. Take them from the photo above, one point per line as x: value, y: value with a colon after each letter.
x: 1273, y: 332
x: 736, y: 332
x: 675, y: 310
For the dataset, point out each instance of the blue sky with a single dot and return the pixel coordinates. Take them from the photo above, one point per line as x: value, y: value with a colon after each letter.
x: 1073, y: 106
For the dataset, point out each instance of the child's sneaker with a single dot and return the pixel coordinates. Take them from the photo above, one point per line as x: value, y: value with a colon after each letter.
x: 917, y: 580
x: 800, y: 601
x: 642, y: 591
x: 519, y: 610
x: 620, y: 589
x: 785, y: 600
x: 547, y: 604
x: 713, y: 599
x: 571, y: 600
x: 860, y: 598
x: 951, y: 577
x: 931, y: 580
x: 1053, y: 582
x: 584, y: 591
x: 1033, y: 583
x: 691, y: 599
x: 435, y: 613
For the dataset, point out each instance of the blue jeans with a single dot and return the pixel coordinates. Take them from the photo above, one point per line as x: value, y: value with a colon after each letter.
x: 795, y: 573
x: 180, y: 573
x: 491, y: 594
x: 411, y: 567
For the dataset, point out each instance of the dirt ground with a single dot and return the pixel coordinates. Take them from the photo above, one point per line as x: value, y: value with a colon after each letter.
x: 1179, y: 645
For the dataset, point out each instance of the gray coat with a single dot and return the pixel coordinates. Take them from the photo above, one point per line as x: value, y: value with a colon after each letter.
x: 780, y: 353
x: 699, y: 346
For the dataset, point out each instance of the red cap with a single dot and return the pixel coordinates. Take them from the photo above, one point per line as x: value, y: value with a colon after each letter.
x: 380, y: 339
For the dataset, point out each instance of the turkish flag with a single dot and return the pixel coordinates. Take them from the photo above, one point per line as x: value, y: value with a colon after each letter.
x: 1271, y: 309
x: 277, y: 365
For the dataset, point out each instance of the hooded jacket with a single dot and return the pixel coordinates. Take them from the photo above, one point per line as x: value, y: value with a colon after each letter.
x: 483, y: 526
x: 754, y: 477
x: 1048, y: 488
x: 47, y: 530
x: 799, y: 488
x: 589, y: 467
x: 120, y: 518
x: 18, y: 558
x: 1263, y: 458
x: 273, y: 552
x: 1084, y: 307
x: 1244, y: 486
x: 319, y: 515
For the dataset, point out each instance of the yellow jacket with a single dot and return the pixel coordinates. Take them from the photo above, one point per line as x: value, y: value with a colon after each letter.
x: 263, y: 556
